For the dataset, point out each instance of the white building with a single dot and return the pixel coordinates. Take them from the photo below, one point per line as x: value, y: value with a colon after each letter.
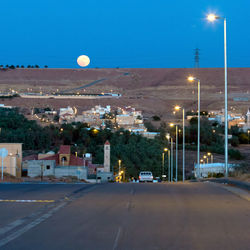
x: 67, y: 110
x: 212, y: 168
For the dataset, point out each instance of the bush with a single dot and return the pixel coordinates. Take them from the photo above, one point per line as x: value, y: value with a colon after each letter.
x: 235, y: 154
x: 235, y: 141
x: 156, y: 118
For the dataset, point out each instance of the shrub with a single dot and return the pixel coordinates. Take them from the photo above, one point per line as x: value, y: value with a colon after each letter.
x: 156, y: 118
x: 235, y: 141
x: 235, y: 154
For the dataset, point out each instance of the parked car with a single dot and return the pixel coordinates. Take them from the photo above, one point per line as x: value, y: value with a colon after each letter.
x: 146, y: 176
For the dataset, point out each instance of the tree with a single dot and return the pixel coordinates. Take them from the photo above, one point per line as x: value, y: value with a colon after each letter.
x: 156, y: 118
x: 235, y: 141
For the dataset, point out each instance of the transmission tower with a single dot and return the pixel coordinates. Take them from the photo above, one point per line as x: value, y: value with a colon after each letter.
x: 197, y: 58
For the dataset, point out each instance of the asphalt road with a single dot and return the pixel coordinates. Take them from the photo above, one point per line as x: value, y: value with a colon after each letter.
x: 123, y: 216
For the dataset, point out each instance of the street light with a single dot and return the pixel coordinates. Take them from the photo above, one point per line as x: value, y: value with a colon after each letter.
x: 191, y: 79
x: 209, y: 154
x: 119, y: 164
x: 205, y: 157
x: 163, y: 154
x: 176, y: 144
x: 212, y: 18
x: 168, y: 138
x: 183, y: 141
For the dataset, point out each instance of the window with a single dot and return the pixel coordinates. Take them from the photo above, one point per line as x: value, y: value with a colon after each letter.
x: 64, y: 158
x: 48, y: 167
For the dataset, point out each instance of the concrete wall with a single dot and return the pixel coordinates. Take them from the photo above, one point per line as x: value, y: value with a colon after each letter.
x: 41, y: 167
x: 37, y: 168
x: 79, y: 172
x: 216, y: 168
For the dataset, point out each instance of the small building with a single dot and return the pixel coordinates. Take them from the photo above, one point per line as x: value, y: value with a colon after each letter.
x: 12, y: 163
x: 62, y: 164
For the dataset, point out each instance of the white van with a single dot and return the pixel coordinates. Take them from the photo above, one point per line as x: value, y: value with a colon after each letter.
x: 145, y: 176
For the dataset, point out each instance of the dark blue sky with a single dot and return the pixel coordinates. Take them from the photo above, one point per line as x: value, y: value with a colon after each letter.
x: 123, y: 33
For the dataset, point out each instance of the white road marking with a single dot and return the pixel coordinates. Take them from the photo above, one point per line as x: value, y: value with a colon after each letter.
x: 117, y: 238
x: 24, y: 201
x: 35, y: 222
x: 30, y: 225
x: 10, y: 226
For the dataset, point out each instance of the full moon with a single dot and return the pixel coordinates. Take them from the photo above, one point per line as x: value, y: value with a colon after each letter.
x: 83, y: 61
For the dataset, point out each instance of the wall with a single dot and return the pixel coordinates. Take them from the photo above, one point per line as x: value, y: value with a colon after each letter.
x: 38, y: 167
x: 216, y: 168
x: 48, y: 168
x: 79, y: 172
x: 13, y: 162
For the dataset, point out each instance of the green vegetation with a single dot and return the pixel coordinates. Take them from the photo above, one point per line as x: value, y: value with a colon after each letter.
x: 136, y: 152
x: 9, y: 96
x: 16, y: 128
x: 156, y: 118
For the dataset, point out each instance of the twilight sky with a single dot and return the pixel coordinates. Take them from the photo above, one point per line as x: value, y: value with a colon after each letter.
x: 123, y: 33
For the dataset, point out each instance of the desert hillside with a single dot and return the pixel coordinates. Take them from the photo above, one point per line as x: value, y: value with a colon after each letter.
x: 155, y: 91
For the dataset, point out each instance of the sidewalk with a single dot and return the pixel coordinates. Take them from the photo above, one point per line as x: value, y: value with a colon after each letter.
x: 231, y: 182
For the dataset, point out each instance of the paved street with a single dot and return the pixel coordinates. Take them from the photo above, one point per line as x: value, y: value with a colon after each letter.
x: 123, y: 216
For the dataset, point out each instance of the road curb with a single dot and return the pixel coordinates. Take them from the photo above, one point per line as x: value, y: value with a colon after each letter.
x: 236, y: 183
x: 235, y: 190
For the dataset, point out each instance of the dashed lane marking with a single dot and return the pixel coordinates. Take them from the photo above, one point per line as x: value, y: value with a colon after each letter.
x: 24, y: 201
x: 118, y: 234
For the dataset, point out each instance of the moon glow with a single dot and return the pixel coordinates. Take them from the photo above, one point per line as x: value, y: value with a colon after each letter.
x: 83, y: 61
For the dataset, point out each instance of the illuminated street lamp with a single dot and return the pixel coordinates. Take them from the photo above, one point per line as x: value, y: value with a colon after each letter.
x: 209, y: 154
x: 177, y: 108
x: 119, y: 164
x: 212, y: 18
x: 176, y: 144
x: 163, y: 154
x: 191, y: 79
x: 168, y: 138
x: 205, y: 157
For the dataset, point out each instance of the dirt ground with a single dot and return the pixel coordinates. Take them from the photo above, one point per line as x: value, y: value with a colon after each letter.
x: 154, y: 91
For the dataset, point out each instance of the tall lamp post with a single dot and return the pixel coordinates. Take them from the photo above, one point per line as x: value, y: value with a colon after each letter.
x: 212, y: 18
x: 209, y: 154
x: 119, y: 165
x: 168, y: 138
x: 191, y: 79
x: 163, y: 161
x: 183, y: 141
x: 176, y: 144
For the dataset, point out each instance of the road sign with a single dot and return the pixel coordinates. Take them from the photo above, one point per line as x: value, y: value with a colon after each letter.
x: 3, y: 152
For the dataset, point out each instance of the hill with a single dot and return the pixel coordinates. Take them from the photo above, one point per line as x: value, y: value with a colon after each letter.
x: 155, y: 91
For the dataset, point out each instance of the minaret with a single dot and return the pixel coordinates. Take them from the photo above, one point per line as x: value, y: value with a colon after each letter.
x: 107, y: 156
x: 248, y: 118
